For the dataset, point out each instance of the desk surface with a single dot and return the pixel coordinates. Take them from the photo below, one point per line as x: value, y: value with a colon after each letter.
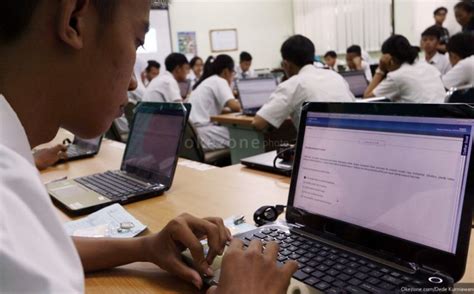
x: 233, y: 119
x: 218, y: 192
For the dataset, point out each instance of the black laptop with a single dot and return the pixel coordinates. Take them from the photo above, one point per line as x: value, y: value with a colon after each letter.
x: 148, y: 165
x: 254, y: 93
x: 269, y: 162
x: 380, y: 198
x: 82, y: 148
x: 357, y: 82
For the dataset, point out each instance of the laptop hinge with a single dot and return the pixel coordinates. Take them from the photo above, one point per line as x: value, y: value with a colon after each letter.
x: 296, y: 226
x: 429, y: 270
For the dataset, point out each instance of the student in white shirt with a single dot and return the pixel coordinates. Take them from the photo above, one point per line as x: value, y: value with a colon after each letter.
x: 401, y: 78
x: 88, y: 55
x: 356, y: 62
x: 305, y: 83
x: 430, y: 40
x: 461, y: 55
x: 152, y: 71
x: 244, y: 70
x: 165, y: 88
x: 330, y: 59
x: 212, y: 95
x: 197, y: 66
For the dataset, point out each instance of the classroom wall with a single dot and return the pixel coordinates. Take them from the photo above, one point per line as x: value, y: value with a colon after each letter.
x: 412, y: 17
x: 262, y: 25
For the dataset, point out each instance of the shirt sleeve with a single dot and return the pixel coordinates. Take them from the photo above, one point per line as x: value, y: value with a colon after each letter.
x: 388, y: 88
x: 223, y: 92
x: 455, y: 77
x: 367, y: 71
x: 278, y: 108
x: 174, y: 92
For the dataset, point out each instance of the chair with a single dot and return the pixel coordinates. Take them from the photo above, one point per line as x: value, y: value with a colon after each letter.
x: 119, y: 130
x: 191, y: 149
x: 461, y: 95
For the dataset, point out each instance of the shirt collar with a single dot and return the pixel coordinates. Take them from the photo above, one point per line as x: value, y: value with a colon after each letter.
x: 307, y: 68
x: 435, y: 58
x: 12, y: 133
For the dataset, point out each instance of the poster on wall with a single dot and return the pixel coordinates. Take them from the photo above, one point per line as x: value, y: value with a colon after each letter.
x: 187, y: 43
x: 224, y: 40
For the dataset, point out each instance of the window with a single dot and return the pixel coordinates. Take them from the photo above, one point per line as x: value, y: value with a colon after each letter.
x: 337, y: 24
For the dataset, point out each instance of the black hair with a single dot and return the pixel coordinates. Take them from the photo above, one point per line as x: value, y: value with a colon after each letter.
x: 332, y: 54
x: 215, y: 66
x: 16, y: 15
x: 461, y: 44
x: 175, y: 60
x: 245, y: 56
x: 153, y: 63
x: 354, y: 49
x: 466, y: 6
x: 193, y: 61
x: 439, y: 9
x: 399, y: 47
x: 433, y: 31
x: 298, y: 50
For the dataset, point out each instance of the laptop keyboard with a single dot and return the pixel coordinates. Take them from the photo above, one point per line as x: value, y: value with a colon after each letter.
x: 330, y: 269
x: 115, y: 186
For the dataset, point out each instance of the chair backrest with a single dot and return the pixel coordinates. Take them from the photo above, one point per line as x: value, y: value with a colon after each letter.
x: 119, y: 130
x: 464, y: 95
x: 191, y: 146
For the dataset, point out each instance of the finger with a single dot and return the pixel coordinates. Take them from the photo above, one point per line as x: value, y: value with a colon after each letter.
x: 236, y: 245
x: 186, y: 273
x: 212, y: 290
x: 213, y: 236
x: 56, y: 149
x: 255, y: 245
x: 223, y: 232
x: 184, y: 235
x: 289, y: 268
x: 271, y: 250
x: 63, y: 147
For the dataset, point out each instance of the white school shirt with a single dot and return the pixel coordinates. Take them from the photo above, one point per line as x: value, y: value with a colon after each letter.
x: 36, y: 255
x: 441, y: 62
x: 244, y: 75
x: 310, y: 84
x: 417, y: 83
x: 207, y: 100
x: 367, y: 71
x: 462, y: 74
x: 163, y: 88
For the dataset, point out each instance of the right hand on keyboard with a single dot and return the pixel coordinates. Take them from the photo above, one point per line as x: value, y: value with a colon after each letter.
x: 253, y: 270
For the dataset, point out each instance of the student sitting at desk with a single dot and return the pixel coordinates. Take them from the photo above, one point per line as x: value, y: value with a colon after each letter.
x: 197, y: 65
x: 244, y: 70
x: 430, y: 40
x: 461, y: 55
x: 87, y: 51
x: 165, y: 87
x: 211, y: 96
x: 152, y: 71
x: 401, y: 78
x: 356, y: 62
x: 306, y: 83
x: 330, y: 59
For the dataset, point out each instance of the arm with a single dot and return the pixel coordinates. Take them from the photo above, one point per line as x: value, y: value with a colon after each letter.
x: 377, y: 79
x: 260, y: 123
x: 233, y: 105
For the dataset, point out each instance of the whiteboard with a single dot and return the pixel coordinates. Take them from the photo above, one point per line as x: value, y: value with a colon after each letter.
x: 224, y: 40
x: 158, y: 40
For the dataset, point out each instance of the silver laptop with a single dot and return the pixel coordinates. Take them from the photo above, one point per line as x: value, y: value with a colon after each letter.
x: 357, y: 82
x: 254, y: 93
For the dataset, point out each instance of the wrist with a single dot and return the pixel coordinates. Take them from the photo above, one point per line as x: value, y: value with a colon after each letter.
x: 144, y: 249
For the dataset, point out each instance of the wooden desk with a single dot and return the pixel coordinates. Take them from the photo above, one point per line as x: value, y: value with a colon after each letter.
x: 217, y: 192
x: 246, y: 141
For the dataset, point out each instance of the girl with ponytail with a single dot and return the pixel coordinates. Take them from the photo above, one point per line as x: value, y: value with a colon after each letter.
x: 402, y: 78
x: 211, y: 96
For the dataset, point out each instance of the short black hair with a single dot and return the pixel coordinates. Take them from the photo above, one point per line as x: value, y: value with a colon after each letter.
x: 195, y: 59
x: 461, y: 44
x: 298, y: 50
x: 466, y: 6
x: 175, y: 60
x: 332, y: 54
x: 439, y: 9
x: 355, y: 49
x: 151, y: 64
x: 433, y: 31
x: 245, y: 56
x: 16, y: 15
x: 400, y: 48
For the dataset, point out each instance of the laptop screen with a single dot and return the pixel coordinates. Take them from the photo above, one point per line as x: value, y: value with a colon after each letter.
x: 401, y: 176
x: 90, y: 144
x: 357, y: 82
x: 153, y: 145
x: 254, y: 93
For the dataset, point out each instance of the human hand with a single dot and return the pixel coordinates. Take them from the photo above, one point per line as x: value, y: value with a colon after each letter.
x: 358, y: 62
x: 184, y: 232
x: 47, y: 157
x: 252, y: 272
x: 385, y: 62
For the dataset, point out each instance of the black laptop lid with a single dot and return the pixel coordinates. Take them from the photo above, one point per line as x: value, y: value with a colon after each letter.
x: 357, y: 82
x: 254, y: 93
x: 89, y: 144
x: 390, y: 179
x: 153, y: 144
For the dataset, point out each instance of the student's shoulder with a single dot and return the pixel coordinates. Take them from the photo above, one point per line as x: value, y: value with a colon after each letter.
x: 14, y: 168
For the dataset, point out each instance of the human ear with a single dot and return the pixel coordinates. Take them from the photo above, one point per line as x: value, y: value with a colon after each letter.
x: 71, y: 22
